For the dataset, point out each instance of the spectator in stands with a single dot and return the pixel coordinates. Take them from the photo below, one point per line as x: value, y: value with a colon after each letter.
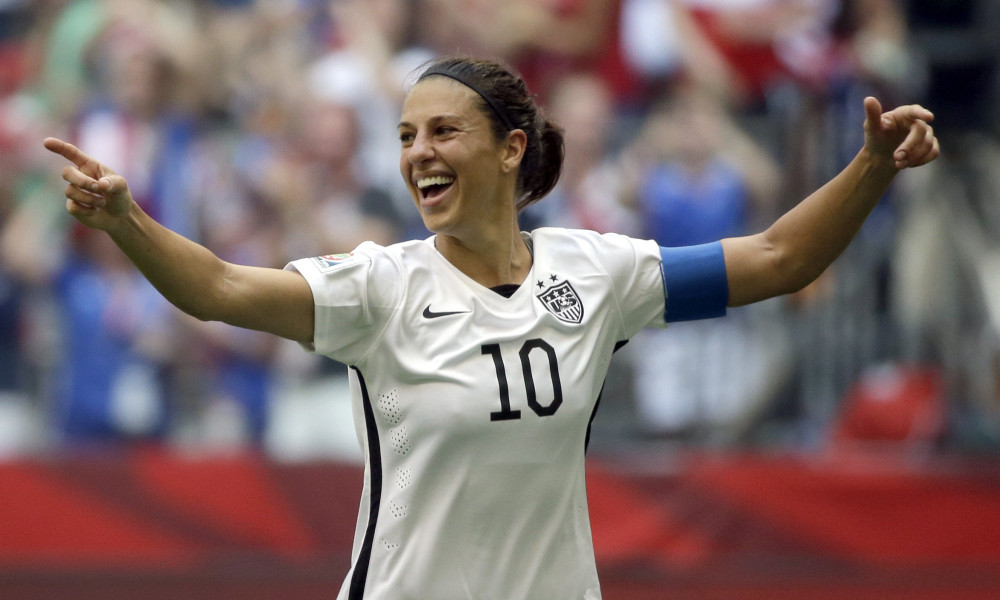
x: 663, y: 44
x: 700, y: 177
x: 543, y: 40
x: 375, y: 47
x: 116, y: 345
x: 327, y: 199
x: 228, y: 378
x: 114, y: 367
x: 587, y: 194
x: 16, y: 291
x: 232, y: 371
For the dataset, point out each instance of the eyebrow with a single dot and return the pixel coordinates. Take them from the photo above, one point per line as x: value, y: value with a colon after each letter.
x: 434, y: 119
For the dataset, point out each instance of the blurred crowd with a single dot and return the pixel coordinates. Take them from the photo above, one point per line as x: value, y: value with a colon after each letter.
x: 265, y: 129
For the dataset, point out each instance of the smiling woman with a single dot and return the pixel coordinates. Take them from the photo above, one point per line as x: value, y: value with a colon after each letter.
x: 476, y: 150
x: 510, y: 107
x: 478, y: 355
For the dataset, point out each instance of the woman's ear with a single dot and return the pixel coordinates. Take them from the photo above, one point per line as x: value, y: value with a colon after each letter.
x: 513, y: 150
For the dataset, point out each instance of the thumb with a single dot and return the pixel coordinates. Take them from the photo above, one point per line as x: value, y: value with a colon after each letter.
x: 115, y: 193
x: 112, y: 185
x: 873, y: 113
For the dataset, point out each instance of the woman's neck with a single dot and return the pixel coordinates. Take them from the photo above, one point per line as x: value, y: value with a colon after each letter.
x: 502, y: 259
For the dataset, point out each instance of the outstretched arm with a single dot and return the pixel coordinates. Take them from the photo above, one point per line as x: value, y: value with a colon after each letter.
x: 807, y: 239
x: 187, y: 274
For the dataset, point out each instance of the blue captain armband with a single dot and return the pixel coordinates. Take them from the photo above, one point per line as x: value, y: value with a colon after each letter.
x: 694, y: 282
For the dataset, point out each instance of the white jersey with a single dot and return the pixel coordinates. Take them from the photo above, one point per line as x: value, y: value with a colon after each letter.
x: 473, y: 409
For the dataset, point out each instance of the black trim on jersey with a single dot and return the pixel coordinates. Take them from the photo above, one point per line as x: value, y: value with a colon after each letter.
x: 360, y: 575
x: 506, y: 289
x: 597, y: 403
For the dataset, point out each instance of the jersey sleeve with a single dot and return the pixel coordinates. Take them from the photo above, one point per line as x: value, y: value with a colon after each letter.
x: 656, y: 286
x: 634, y: 268
x: 354, y: 295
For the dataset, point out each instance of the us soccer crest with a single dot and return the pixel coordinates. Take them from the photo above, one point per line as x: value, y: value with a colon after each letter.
x: 562, y: 301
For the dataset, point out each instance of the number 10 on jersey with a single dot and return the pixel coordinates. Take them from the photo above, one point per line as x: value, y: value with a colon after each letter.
x: 506, y: 413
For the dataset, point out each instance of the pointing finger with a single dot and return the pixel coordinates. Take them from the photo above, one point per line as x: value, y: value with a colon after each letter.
x: 915, y: 112
x: 69, y: 152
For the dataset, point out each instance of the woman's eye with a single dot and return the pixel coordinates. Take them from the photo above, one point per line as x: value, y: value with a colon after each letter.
x: 405, y: 138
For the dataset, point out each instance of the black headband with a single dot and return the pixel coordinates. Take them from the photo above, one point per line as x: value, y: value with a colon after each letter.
x: 497, y: 109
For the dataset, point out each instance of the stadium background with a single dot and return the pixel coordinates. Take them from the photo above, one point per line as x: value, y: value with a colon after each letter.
x: 842, y: 442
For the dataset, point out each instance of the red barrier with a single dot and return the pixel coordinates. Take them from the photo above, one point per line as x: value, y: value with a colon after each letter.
x: 704, y: 525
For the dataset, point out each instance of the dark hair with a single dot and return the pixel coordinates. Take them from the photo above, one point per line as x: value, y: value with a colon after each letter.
x: 505, y: 100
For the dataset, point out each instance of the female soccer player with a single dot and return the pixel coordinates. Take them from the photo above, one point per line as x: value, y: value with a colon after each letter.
x: 477, y: 355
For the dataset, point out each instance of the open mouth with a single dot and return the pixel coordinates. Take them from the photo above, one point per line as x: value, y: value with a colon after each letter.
x: 432, y: 187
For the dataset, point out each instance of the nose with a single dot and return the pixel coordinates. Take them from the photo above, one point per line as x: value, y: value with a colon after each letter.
x: 420, y: 150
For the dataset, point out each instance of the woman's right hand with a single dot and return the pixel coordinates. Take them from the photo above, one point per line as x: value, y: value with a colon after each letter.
x: 95, y: 195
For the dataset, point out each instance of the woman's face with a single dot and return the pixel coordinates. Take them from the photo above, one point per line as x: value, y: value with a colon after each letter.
x: 458, y: 174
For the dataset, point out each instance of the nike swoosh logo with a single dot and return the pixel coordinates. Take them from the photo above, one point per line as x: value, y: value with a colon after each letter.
x: 429, y: 314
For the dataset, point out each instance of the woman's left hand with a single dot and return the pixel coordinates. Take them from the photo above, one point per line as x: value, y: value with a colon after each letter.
x: 903, y: 135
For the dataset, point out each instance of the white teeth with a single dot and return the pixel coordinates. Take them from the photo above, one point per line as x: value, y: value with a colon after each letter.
x: 426, y: 182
